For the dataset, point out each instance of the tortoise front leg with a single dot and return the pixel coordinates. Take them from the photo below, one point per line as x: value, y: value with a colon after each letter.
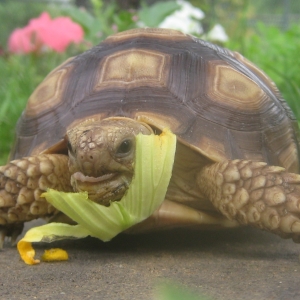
x: 22, y: 182
x: 254, y: 193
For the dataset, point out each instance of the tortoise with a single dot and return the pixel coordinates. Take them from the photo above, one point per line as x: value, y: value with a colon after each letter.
x: 237, y: 155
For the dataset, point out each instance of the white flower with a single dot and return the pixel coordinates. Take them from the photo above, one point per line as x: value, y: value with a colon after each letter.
x: 189, y: 10
x: 186, y: 19
x: 217, y: 33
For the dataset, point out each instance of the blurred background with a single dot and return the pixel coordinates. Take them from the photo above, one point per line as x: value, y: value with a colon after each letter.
x: 38, y: 35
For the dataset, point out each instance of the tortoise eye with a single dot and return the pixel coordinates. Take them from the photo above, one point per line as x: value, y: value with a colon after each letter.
x: 125, y: 147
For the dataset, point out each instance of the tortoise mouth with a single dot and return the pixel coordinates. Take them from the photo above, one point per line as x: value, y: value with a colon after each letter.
x: 78, y: 176
x: 103, y: 189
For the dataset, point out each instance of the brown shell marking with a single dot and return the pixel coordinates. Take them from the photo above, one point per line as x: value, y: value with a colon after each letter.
x: 156, y: 33
x: 228, y: 87
x: 134, y: 67
x: 266, y: 80
x: 46, y: 96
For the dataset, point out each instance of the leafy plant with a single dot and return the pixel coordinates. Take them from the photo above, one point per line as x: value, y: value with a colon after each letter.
x: 104, y: 20
x: 15, y: 14
x: 101, y: 21
x: 19, y: 76
x: 277, y: 53
x: 153, y: 15
x: 95, y: 28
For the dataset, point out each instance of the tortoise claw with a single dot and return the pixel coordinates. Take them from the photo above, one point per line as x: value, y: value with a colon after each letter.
x: 2, y: 237
x: 14, y: 235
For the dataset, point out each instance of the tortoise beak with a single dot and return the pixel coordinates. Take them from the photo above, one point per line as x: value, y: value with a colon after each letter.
x: 78, y: 176
x: 103, y: 189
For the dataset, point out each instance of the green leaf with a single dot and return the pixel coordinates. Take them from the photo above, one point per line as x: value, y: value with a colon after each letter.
x: 153, y: 15
x: 83, y: 17
x: 124, y: 20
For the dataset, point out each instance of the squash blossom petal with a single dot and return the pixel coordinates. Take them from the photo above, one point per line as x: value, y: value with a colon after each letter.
x: 27, y: 253
x: 55, y: 254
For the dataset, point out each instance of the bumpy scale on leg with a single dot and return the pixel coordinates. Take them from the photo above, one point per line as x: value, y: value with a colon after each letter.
x: 21, y: 184
x: 254, y: 193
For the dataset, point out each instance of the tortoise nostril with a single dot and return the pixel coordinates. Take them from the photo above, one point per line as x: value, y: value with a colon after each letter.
x: 91, y: 157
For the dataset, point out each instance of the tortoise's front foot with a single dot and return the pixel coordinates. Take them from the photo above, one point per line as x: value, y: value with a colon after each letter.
x: 12, y: 231
x: 254, y: 193
x: 21, y: 184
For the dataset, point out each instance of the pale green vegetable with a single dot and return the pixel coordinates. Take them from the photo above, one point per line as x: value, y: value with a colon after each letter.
x: 153, y: 168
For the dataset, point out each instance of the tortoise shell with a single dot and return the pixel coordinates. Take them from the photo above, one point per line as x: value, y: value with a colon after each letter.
x: 214, y: 100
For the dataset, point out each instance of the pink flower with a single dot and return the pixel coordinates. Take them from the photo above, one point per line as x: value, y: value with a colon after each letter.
x: 43, y: 32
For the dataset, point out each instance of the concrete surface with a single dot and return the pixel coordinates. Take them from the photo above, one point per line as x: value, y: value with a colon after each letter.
x: 235, y: 264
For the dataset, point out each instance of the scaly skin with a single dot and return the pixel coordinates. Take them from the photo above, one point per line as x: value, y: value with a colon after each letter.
x: 21, y: 184
x: 254, y: 193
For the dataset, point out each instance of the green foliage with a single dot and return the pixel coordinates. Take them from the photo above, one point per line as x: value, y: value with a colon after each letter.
x: 92, y: 26
x: 153, y: 15
x: 174, y: 291
x: 124, y: 20
x: 277, y: 53
x: 19, y: 76
x: 105, y: 20
x: 101, y: 22
x: 15, y: 14
x: 17, y: 80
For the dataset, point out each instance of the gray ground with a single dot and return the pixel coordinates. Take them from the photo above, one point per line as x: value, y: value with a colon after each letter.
x: 236, y: 264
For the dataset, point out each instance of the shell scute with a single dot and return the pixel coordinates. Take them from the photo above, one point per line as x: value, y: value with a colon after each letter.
x: 134, y: 68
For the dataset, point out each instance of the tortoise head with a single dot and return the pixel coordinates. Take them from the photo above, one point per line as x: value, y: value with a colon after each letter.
x: 101, y: 156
